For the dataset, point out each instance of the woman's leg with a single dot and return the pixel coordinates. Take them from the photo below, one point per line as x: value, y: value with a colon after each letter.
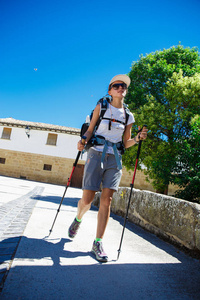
x: 83, y: 206
x: 102, y: 220
x: 104, y: 211
x: 84, y: 203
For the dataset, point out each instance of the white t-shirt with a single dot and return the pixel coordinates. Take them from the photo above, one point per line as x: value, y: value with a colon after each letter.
x: 117, y: 129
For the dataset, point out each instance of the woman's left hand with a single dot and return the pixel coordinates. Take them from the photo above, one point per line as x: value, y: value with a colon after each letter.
x: 142, y: 135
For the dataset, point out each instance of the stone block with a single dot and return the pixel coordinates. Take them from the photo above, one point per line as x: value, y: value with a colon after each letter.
x: 174, y: 219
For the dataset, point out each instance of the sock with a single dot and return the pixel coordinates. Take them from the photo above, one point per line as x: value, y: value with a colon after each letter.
x: 78, y: 220
x: 98, y: 240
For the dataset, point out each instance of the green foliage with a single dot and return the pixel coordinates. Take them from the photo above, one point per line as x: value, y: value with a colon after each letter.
x: 187, y: 169
x: 183, y: 94
x: 164, y: 94
x: 150, y: 74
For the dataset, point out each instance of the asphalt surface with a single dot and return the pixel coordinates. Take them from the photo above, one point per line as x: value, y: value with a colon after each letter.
x: 35, y: 265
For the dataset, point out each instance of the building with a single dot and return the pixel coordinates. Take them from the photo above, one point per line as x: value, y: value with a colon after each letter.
x: 46, y: 153
x: 38, y: 151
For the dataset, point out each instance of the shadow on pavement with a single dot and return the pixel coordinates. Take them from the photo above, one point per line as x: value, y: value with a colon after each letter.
x: 56, y: 199
x: 150, y: 237
x: 45, y: 248
x: 95, y: 281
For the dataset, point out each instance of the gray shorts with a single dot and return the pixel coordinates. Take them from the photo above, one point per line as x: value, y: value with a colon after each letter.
x: 94, y: 175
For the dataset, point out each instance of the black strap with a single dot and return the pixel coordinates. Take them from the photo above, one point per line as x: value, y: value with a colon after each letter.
x: 127, y: 113
x: 117, y: 121
x: 99, y: 140
x: 114, y: 120
x: 104, y: 105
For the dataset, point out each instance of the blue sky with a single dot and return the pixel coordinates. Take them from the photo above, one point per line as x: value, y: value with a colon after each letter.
x: 77, y: 47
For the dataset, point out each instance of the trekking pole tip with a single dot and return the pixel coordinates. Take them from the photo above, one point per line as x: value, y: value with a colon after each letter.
x: 47, y: 236
x: 119, y: 251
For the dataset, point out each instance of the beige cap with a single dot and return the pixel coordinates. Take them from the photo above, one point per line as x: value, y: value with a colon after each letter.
x: 121, y: 77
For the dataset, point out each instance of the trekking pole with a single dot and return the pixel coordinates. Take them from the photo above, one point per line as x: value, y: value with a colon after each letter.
x: 68, y: 183
x: 131, y: 185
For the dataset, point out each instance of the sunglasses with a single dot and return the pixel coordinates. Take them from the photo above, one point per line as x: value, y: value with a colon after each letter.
x: 116, y: 86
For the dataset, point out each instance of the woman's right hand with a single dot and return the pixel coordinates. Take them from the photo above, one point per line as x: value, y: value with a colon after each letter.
x: 88, y: 133
x: 80, y: 145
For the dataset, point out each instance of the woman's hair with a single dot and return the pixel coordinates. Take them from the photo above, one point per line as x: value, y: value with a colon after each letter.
x: 109, y: 87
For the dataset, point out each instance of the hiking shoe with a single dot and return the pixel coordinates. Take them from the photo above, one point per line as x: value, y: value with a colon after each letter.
x: 73, y: 229
x: 97, y: 249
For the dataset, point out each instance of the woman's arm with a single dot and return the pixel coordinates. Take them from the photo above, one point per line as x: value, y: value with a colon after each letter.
x: 91, y: 127
x: 128, y: 142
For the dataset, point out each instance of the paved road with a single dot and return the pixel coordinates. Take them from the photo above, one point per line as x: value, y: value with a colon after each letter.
x: 55, y: 267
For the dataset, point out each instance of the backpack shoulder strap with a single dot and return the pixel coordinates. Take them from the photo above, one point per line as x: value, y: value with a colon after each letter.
x: 103, y: 106
x: 127, y: 113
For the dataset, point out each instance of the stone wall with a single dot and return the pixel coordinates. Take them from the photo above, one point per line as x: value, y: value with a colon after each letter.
x: 141, y: 183
x: 31, y: 166
x: 175, y: 220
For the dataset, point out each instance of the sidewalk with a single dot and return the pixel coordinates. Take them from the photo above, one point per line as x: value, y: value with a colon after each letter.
x: 56, y: 267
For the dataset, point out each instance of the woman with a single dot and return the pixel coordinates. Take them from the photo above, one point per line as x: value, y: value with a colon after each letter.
x: 108, y: 173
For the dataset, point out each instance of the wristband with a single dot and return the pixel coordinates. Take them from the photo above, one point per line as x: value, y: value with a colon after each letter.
x: 135, y: 140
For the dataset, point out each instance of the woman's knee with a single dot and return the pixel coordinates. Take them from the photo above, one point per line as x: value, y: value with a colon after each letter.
x: 87, y: 197
x: 106, y: 202
x: 106, y: 197
x: 85, y: 202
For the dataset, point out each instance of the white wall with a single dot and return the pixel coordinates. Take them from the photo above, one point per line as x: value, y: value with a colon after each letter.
x: 66, y: 143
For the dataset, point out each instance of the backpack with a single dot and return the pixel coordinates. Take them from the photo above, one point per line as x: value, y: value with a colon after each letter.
x: 95, y: 140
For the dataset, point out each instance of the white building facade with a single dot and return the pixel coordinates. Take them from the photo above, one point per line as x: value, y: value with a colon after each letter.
x: 46, y: 153
x: 38, y: 151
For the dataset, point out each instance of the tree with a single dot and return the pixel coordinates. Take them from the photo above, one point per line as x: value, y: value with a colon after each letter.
x: 164, y: 94
x: 187, y: 169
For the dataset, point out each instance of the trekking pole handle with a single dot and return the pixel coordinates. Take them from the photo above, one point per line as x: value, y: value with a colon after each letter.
x: 141, y: 129
x: 140, y: 141
x: 79, y: 152
x: 83, y: 139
